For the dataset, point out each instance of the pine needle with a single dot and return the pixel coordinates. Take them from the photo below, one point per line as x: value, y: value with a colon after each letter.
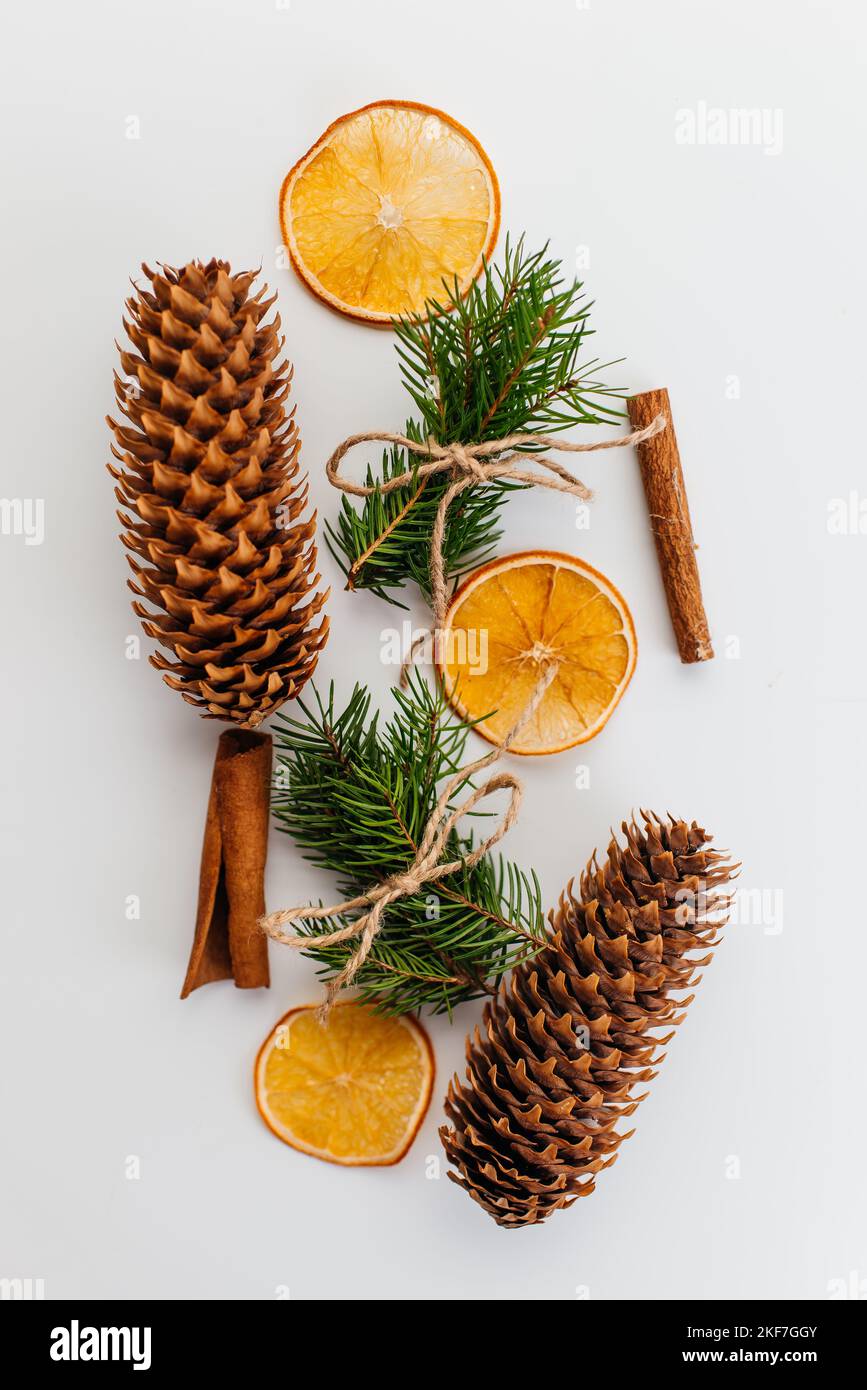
x: 356, y: 796
x: 502, y: 360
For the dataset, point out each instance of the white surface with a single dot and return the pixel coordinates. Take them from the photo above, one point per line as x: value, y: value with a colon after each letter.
x: 706, y: 263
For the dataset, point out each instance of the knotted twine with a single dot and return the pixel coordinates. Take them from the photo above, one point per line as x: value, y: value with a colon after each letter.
x: 425, y: 867
x: 468, y: 465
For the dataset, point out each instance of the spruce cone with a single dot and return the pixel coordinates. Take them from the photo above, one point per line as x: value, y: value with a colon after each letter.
x: 568, y: 1037
x: 209, y: 468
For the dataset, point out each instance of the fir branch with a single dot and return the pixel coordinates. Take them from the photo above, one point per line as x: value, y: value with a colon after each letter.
x: 387, y: 542
x: 504, y: 359
x: 356, y: 797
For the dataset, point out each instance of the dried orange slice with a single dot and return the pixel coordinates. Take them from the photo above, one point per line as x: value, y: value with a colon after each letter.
x: 509, y: 621
x: 392, y: 200
x: 353, y: 1090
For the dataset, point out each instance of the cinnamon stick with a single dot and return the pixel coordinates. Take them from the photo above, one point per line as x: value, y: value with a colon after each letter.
x: 665, y: 490
x: 227, y: 943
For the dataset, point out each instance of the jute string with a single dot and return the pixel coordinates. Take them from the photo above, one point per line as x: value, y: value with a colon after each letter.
x: 425, y: 867
x: 469, y: 464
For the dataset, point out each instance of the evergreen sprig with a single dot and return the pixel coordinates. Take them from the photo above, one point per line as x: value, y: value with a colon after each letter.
x: 356, y: 794
x: 501, y: 360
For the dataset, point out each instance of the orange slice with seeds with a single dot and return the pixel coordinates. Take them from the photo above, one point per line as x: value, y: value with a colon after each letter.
x: 509, y: 622
x: 353, y: 1090
x: 391, y: 201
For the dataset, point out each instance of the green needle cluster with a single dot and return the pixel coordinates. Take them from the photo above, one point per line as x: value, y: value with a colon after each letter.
x: 356, y: 793
x: 506, y: 358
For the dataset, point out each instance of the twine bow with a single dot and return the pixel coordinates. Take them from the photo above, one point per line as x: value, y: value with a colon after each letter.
x: 468, y: 464
x: 425, y: 867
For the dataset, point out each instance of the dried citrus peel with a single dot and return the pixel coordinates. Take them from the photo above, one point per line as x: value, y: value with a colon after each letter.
x: 353, y: 1090
x: 518, y: 617
x: 391, y: 201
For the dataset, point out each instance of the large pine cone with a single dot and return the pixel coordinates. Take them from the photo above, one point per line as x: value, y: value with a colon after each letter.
x: 572, y: 1033
x: 209, y: 468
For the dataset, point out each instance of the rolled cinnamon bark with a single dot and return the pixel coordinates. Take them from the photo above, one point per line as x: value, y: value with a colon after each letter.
x: 228, y: 943
x: 665, y: 490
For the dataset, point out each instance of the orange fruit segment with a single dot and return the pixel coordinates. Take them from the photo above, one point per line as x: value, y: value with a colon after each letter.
x: 514, y: 617
x: 353, y: 1090
x: 390, y: 201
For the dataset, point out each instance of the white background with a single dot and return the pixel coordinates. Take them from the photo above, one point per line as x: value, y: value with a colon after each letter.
x: 715, y: 270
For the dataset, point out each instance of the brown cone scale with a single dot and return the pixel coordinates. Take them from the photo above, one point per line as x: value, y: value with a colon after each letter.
x: 223, y: 559
x: 571, y: 1038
